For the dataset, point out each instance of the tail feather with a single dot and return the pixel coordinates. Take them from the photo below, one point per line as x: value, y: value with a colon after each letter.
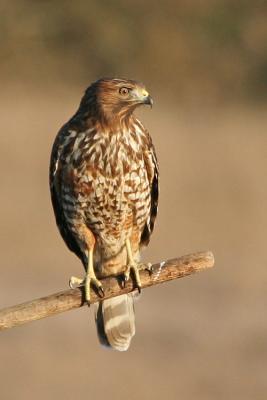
x: 115, y: 321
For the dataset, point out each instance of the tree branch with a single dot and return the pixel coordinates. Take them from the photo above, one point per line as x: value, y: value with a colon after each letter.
x: 74, y: 298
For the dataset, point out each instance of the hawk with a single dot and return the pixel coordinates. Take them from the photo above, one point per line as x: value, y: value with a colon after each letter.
x: 104, y: 190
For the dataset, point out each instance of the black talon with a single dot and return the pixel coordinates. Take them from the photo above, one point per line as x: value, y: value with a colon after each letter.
x: 150, y: 270
x: 139, y: 289
x: 123, y: 281
x: 101, y: 292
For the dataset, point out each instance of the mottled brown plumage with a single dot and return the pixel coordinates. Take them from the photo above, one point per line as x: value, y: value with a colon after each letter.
x: 104, y: 181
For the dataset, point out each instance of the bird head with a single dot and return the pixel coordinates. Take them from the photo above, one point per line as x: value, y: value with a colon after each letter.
x: 117, y: 98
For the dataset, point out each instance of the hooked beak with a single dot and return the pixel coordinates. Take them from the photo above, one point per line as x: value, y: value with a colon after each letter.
x: 141, y: 96
x: 148, y: 100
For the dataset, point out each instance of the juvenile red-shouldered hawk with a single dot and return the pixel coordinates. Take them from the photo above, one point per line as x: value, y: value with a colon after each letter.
x: 104, y: 189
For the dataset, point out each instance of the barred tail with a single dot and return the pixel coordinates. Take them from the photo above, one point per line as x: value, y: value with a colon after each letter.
x: 115, y: 322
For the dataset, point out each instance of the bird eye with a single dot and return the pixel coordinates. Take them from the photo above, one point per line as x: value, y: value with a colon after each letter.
x: 124, y: 91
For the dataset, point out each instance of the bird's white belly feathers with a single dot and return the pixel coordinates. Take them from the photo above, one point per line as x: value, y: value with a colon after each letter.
x: 112, y: 190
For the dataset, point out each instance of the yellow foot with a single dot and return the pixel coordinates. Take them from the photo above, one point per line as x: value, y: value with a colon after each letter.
x: 91, y: 280
x: 135, y: 268
x: 87, y: 282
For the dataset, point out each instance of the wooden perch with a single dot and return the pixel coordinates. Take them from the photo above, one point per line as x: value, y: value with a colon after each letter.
x: 74, y: 298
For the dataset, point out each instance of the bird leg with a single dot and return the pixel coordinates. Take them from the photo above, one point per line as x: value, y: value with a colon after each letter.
x: 135, y: 267
x: 90, y: 279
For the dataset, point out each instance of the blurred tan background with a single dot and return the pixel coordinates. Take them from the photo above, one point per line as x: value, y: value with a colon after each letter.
x: 205, y: 64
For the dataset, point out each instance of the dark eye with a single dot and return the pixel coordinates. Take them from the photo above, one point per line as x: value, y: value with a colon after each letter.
x: 124, y: 91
